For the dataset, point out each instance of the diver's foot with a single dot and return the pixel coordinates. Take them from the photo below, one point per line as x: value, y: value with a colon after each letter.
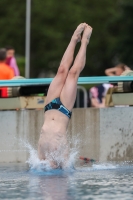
x: 77, y: 33
x: 87, y: 34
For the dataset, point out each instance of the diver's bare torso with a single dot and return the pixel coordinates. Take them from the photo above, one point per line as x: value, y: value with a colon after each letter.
x: 53, y: 133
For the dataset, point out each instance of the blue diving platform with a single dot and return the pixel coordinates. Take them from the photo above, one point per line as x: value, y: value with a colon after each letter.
x: 81, y: 80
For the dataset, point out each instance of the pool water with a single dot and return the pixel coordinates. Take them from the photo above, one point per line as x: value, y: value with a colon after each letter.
x: 98, y: 181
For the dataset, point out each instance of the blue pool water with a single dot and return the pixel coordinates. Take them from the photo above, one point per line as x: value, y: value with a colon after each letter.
x: 99, y: 181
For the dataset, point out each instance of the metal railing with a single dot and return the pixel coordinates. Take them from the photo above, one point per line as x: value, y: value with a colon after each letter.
x: 81, y: 80
x: 78, y: 99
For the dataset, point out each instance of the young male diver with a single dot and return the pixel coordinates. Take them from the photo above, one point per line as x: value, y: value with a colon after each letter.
x: 61, y: 98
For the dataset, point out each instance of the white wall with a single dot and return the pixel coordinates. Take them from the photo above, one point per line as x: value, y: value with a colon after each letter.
x: 105, y: 134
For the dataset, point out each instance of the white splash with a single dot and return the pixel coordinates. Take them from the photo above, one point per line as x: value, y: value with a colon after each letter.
x: 44, y: 165
x: 104, y: 166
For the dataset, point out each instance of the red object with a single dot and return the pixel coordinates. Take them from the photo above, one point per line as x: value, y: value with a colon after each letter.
x: 87, y: 160
x: 4, y: 92
x: 8, y: 60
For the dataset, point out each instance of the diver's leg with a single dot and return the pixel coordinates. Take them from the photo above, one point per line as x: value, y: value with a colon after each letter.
x: 60, y: 78
x: 69, y: 91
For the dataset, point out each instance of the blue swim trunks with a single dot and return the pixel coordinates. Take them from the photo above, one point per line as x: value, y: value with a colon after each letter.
x: 56, y: 104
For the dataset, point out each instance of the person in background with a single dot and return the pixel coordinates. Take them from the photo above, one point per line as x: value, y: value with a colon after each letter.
x: 117, y: 70
x: 6, y: 72
x: 11, y: 61
x: 97, y: 95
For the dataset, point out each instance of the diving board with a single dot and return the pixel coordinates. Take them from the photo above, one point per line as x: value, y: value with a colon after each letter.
x: 81, y: 80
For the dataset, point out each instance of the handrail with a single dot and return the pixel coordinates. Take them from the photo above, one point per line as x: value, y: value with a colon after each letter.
x: 78, y: 96
x: 81, y: 80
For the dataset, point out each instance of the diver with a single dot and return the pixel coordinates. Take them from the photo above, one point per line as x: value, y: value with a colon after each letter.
x: 61, y: 98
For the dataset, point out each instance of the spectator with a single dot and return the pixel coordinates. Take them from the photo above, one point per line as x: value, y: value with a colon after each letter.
x: 11, y: 61
x: 117, y: 70
x: 6, y: 72
x: 97, y: 95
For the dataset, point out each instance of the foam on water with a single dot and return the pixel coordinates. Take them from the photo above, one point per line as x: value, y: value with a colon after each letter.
x: 103, y: 166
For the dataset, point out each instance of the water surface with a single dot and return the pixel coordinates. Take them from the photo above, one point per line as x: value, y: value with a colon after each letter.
x: 99, y: 181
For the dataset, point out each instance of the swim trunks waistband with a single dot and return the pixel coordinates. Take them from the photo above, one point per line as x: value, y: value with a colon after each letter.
x: 57, y: 104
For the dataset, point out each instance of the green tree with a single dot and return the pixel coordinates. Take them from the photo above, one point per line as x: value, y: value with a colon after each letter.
x: 124, y: 43
x: 52, y: 24
x: 12, y: 24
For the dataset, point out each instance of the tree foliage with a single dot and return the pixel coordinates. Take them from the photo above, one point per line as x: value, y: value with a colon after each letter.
x: 125, y: 40
x: 53, y: 22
